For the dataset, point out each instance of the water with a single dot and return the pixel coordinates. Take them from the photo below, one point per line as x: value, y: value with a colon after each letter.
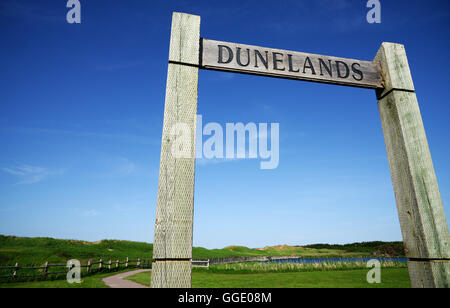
x: 335, y: 260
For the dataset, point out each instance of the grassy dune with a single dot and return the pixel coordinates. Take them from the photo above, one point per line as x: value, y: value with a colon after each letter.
x: 240, y: 251
x: 36, y: 251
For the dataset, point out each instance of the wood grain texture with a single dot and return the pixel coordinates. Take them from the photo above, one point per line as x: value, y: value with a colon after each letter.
x: 429, y: 274
x: 175, y: 203
x: 185, y: 38
x: 241, y: 58
x: 421, y: 213
x: 394, y: 68
x: 171, y: 274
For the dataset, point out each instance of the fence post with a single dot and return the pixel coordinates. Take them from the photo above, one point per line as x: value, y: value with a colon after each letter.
x: 126, y: 263
x: 46, y: 269
x: 89, y: 266
x: 208, y: 263
x: 138, y: 263
x: 16, y: 269
x: 109, y: 264
x: 422, y: 217
x: 117, y: 264
x: 100, y: 265
x: 172, y: 248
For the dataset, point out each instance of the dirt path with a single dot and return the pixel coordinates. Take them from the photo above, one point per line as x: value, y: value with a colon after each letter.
x: 117, y: 281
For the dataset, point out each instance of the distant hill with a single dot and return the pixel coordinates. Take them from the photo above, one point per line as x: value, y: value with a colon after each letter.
x: 374, y: 248
x: 36, y: 251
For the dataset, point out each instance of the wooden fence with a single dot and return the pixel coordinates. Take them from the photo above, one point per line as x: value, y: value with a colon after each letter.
x: 200, y: 263
x: 90, y: 267
x: 101, y: 265
x: 250, y: 259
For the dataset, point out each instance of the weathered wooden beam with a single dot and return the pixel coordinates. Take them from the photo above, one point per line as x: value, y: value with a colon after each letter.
x: 421, y: 213
x: 172, y: 250
x: 429, y: 273
x: 241, y: 58
x: 171, y: 274
x: 394, y: 69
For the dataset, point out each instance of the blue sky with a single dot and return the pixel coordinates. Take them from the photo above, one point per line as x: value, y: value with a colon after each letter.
x: 81, y: 110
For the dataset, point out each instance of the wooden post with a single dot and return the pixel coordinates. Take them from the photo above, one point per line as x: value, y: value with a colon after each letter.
x: 138, y: 262
x: 172, y: 250
x: 109, y: 264
x: 126, y: 263
x: 89, y: 267
x: 16, y: 269
x: 422, y: 218
x: 100, y: 265
x: 46, y: 269
x: 117, y: 263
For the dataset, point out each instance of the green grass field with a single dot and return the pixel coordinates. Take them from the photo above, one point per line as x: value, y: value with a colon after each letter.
x: 390, y: 278
x: 94, y: 281
x: 36, y: 251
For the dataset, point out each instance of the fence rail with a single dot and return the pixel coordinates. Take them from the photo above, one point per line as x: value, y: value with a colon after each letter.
x: 311, y: 260
x: 200, y: 263
x: 244, y: 259
x: 90, y: 267
x: 111, y: 264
